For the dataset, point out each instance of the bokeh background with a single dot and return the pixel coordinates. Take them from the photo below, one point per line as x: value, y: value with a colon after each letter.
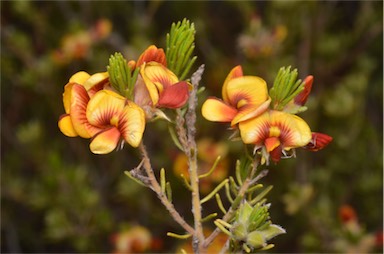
x: 56, y: 196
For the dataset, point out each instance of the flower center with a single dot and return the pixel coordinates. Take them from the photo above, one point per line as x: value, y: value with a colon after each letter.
x: 114, y: 121
x: 274, y: 131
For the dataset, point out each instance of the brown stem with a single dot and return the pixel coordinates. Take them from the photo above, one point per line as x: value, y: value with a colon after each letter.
x: 191, y: 152
x: 155, y: 186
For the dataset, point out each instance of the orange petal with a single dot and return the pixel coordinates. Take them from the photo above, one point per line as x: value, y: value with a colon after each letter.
x: 66, y: 127
x: 96, y: 79
x: 271, y: 143
x: 295, y: 132
x: 255, y: 130
x: 79, y: 101
x: 79, y: 77
x: 247, y: 90
x: 105, y: 141
x: 67, y: 97
x: 152, y: 54
x: 234, y: 73
x: 216, y: 110
x: 250, y: 111
x: 105, y: 108
x: 174, y: 96
x: 132, y: 124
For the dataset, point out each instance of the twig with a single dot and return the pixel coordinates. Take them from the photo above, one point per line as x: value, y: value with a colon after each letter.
x: 155, y: 186
x: 191, y: 152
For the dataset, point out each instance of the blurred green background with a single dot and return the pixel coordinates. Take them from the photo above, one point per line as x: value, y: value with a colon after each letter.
x: 56, y: 196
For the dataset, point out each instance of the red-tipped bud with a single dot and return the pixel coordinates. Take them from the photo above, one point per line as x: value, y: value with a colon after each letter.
x: 347, y: 213
x: 302, y: 97
x: 152, y: 54
x: 318, y: 141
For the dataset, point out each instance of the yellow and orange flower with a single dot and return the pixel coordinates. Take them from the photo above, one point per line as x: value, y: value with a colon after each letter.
x: 276, y: 133
x: 157, y: 86
x: 94, y: 111
x: 244, y: 97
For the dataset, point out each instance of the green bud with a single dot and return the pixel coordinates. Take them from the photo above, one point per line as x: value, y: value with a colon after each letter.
x: 256, y: 240
x: 239, y: 232
x: 285, y: 87
x: 121, y: 76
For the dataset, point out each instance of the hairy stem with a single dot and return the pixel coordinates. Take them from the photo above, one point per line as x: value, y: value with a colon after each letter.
x: 191, y: 152
x: 155, y: 186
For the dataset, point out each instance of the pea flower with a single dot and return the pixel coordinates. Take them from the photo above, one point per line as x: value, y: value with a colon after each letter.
x: 77, y: 92
x: 94, y: 111
x: 276, y: 133
x: 244, y: 97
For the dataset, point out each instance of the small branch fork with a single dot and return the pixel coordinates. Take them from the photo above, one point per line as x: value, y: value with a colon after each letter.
x: 155, y: 186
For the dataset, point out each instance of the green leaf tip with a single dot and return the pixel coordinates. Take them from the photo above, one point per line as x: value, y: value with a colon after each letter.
x: 180, y: 47
x: 121, y: 76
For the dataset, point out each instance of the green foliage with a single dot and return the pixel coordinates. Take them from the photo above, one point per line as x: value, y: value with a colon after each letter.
x: 121, y: 75
x: 50, y: 205
x: 180, y: 46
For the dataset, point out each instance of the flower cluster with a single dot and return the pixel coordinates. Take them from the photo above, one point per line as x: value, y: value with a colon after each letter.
x: 112, y: 107
x: 265, y: 119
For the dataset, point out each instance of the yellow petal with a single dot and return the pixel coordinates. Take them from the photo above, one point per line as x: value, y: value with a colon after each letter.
x: 79, y: 101
x: 105, y: 141
x: 104, y: 107
x: 234, y: 73
x: 255, y: 130
x: 79, y: 77
x: 132, y: 124
x: 216, y: 110
x: 249, y: 111
x: 67, y: 97
x: 66, y: 127
x: 295, y: 132
x: 95, y: 79
x: 247, y: 90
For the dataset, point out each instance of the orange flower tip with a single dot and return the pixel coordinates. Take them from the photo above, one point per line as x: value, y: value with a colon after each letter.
x: 318, y: 141
x: 66, y: 127
x: 105, y: 141
x: 152, y: 54
x: 174, y: 96
x: 216, y: 110
x: 271, y: 143
x: 302, y: 97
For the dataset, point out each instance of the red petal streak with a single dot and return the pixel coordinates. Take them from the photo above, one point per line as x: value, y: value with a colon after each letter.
x: 318, y: 141
x: 152, y: 53
x: 174, y: 96
x: 302, y: 97
x: 79, y: 102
